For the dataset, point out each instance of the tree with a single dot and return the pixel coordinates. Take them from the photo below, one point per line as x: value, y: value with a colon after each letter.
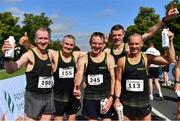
x: 55, y: 45
x: 33, y: 22
x: 174, y: 26
x: 9, y: 26
x: 145, y: 19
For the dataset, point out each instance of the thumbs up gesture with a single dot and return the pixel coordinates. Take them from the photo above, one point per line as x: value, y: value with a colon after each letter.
x: 24, y: 40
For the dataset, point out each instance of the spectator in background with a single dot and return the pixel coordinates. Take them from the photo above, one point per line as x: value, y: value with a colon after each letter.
x: 177, y: 86
x: 154, y: 72
x: 165, y: 71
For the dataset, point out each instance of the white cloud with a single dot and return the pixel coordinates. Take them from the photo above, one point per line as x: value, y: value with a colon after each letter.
x: 18, y: 13
x: 105, y: 13
x: 82, y: 40
x: 61, y: 25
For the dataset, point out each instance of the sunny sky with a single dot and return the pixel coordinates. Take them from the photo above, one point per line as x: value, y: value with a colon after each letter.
x: 82, y: 17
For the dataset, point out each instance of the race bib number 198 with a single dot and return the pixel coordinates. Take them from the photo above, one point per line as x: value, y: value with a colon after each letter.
x: 46, y: 82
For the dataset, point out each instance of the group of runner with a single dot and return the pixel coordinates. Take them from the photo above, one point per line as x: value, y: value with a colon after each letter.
x: 116, y: 75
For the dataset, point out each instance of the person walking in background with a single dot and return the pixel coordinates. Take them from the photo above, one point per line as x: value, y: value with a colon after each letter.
x: 98, y: 68
x: 131, y: 86
x: 39, y: 96
x: 165, y: 70
x: 177, y: 86
x: 154, y: 72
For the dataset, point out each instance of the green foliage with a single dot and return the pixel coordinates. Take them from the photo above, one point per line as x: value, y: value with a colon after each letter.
x: 33, y: 22
x: 76, y: 48
x: 146, y: 18
x: 174, y: 26
x: 56, y: 45
x: 9, y: 26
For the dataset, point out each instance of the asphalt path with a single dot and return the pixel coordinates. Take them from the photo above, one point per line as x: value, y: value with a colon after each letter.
x: 165, y: 109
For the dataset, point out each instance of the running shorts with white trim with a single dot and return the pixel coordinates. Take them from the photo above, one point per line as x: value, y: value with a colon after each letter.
x: 37, y: 104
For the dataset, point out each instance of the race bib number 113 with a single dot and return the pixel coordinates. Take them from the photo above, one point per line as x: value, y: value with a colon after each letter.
x: 135, y: 85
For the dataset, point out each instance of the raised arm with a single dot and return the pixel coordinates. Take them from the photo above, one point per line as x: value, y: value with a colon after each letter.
x: 151, y: 31
x: 169, y: 58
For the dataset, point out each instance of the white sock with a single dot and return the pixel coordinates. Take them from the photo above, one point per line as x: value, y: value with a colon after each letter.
x: 160, y: 94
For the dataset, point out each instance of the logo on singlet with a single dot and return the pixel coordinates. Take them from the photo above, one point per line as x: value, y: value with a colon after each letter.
x: 102, y: 68
x: 140, y: 69
x: 48, y: 64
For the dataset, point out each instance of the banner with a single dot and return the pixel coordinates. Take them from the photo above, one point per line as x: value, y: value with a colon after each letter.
x: 12, y: 97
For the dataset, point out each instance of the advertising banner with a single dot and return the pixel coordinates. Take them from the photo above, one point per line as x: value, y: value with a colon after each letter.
x: 12, y: 97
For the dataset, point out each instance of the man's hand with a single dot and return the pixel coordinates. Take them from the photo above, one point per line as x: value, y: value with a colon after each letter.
x: 117, y: 103
x: 170, y: 35
x: 77, y: 92
x: 6, y: 46
x: 171, y: 12
x: 24, y: 40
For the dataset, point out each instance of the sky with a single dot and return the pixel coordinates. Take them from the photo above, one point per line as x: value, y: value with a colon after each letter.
x: 82, y: 17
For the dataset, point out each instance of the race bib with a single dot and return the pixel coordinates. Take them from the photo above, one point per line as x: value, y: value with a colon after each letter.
x: 95, y: 79
x: 46, y: 82
x: 66, y: 72
x: 135, y: 85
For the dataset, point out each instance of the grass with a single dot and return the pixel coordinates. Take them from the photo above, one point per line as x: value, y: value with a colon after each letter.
x: 5, y: 75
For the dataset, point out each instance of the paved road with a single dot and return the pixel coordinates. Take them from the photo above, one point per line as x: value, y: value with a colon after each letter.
x: 165, y: 109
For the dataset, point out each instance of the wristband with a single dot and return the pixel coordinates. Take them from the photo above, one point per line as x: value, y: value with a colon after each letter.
x: 7, y: 59
x: 111, y: 96
x: 177, y: 82
x: 117, y: 97
x: 163, y: 19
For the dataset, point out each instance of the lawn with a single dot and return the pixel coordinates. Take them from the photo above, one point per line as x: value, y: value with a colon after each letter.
x: 5, y: 75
